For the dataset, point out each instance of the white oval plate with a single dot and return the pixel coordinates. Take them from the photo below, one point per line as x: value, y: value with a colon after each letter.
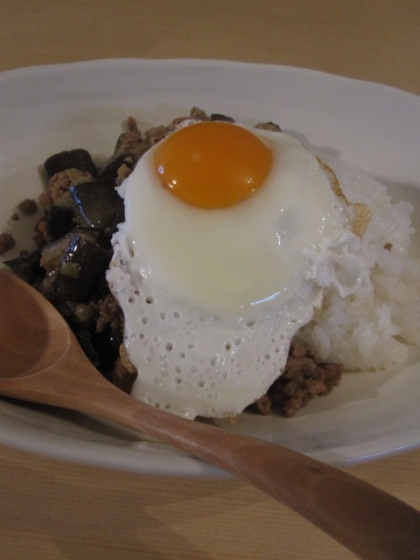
x: 53, y: 108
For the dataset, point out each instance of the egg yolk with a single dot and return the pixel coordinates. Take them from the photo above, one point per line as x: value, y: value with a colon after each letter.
x: 212, y: 164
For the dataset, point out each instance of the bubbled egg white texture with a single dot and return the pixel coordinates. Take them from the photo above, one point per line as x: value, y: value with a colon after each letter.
x: 212, y: 297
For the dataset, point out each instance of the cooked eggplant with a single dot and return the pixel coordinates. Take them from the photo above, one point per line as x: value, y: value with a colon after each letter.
x: 220, y: 117
x: 97, y: 205
x: 110, y: 170
x: 72, y: 159
x: 84, y: 338
x: 27, y: 267
x: 52, y: 253
x: 78, y: 270
x: 107, y: 345
x: 59, y: 221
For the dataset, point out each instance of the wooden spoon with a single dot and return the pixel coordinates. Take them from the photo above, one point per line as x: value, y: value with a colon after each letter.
x: 42, y: 362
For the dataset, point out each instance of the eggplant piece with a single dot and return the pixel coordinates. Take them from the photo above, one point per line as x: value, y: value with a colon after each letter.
x: 85, y: 340
x: 27, y: 267
x: 219, y: 117
x: 80, y: 316
x: 59, y: 221
x: 107, y: 346
x: 53, y: 252
x: 109, y: 171
x: 73, y: 159
x: 78, y: 272
x: 97, y: 205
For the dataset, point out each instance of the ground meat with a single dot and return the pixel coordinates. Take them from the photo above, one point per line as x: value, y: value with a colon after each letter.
x: 45, y: 200
x: 268, y: 126
x: 157, y: 133
x: 132, y: 141
x: 123, y: 377
x: 7, y: 242
x: 60, y: 183
x: 109, y: 314
x: 28, y: 207
x: 303, y: 379
x: 40, y: 233
x: 199, y: 114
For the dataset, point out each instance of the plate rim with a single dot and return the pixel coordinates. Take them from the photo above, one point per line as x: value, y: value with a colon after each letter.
x: 209, y: 62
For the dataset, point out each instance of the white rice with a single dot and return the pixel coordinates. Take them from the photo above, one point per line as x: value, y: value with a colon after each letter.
x: 373, y: 327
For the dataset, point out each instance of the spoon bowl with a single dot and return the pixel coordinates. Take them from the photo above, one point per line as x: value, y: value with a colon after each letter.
x: 42, y: 362
x: 25, y: 353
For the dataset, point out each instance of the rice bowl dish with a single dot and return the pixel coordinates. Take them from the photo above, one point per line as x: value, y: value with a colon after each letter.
x: 371, y: 414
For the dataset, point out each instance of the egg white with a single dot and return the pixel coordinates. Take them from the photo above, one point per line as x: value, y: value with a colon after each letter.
x: 212, y: 298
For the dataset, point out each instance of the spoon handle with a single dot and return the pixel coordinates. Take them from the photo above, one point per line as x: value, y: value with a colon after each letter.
x: 366, y: 520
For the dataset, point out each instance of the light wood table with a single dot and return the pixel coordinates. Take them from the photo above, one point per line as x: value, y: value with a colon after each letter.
x: 52, y: 510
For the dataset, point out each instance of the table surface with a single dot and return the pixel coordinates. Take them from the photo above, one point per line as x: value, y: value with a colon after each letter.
x: 52, y: 510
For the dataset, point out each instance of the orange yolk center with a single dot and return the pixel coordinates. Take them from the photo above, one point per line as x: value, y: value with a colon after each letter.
x: 212, y: 164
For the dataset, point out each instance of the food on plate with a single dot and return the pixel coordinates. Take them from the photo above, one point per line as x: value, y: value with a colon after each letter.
x: 230, y: 267
x: 210, y: 271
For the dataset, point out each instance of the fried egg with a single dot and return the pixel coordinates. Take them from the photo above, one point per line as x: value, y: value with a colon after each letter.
x: 211, y: 265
